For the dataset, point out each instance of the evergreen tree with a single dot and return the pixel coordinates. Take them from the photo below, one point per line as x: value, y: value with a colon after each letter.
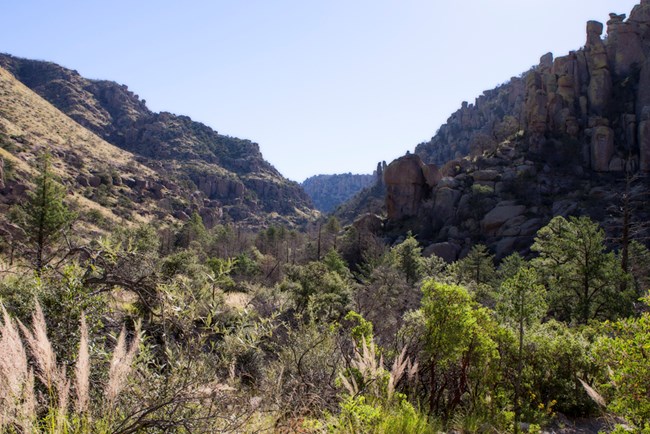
x: 192, y: 230
x: 44, y: 216
x: 521, y: 303
x: 408, y: 258
x: 477, y: 267
x: 583, y: 278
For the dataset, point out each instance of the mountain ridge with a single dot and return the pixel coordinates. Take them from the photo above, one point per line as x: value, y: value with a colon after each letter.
x: 329, y: 191
x: 229, y: 172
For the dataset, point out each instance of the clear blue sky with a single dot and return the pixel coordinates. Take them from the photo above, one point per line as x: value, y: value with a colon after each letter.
x: 326, y: 86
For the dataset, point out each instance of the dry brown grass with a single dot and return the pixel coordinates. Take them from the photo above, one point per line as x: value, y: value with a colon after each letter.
x: 38, y: 124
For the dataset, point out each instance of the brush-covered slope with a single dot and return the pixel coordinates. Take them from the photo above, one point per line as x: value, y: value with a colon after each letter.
x: 569, y: 137
x: 229, y: 174
x: 329, y: 191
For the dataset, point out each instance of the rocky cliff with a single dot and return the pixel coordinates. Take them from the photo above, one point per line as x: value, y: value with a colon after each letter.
x: 329, y: 191
x: 229, y: 174
x: 570, y: 136
x: 597, y: 95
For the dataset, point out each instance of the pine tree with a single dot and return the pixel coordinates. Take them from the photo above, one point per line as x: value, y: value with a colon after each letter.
x: 44, y: 216
x: 583, y: 278
x: 522, y: 302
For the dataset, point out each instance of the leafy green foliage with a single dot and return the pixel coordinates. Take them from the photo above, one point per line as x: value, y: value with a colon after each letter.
x: 623, y: 351
x: 458, y: 343
x: 476, y: 268
x: 522, y: 299
x: 192, y: 231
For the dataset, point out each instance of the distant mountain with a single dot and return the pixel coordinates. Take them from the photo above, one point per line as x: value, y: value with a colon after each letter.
x: 571, y: 136
x: 225, y: 178
x: 329, y: 191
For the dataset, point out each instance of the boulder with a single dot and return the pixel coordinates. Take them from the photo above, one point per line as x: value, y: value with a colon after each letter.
x: 494, y: 219
x: 594, y: 30
x: 141, y: 184
x: 445, y: 202
x: 181, y: 215
x: 211, y: 216
x: 512, y: 227
x: 566, y: 88
x: 643, y: 91
x: 627, y: 48
x: 157, y: 190
x: 505, y: 246
x: 485, y: 175
x: 431, y: 174
x: 82, y: 180
x: 447, y: 251
x: 94, y: 181
x: 530, y: 227
x: 565, y: 208
x: 595, y: 48
x: 640, y: 16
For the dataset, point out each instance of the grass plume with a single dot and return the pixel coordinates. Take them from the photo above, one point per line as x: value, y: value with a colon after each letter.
x: 121, y: 364
x: 17, y: 400
x: 82, y: 370
x: 19, y: 408
x: 48, y: 372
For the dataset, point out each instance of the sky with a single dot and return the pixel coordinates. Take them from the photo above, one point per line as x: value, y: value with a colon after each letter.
x: 329, y: 86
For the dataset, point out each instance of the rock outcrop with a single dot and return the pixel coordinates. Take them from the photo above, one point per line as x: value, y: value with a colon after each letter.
x: 594, y: 96
x: 408, y: 183
x: 564, y: 138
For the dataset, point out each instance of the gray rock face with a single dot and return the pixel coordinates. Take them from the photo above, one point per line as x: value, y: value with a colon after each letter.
x: 602, y: 148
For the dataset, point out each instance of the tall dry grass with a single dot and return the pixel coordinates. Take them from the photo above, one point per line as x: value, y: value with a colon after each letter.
x: 121, y: 364
x: 82, y: 371
x: 19, y: 408
x: 377, y: 381
x: 17, y: 399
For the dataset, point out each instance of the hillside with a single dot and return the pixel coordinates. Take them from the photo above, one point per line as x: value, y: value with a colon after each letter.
x: 569, y: 137
x: 229, y: 175
x: 122, y: 190
x: 329, y: 191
